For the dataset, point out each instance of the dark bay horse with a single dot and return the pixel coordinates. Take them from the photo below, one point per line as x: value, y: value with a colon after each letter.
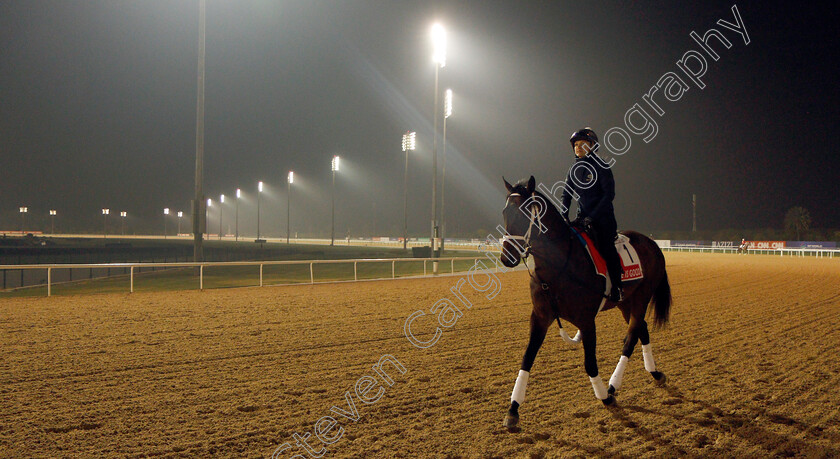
x: 564, y: 285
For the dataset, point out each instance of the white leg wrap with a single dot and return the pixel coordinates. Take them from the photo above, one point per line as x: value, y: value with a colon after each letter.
x: 618, y: 374
x: 518, y: 394
x: 647, y: 354
x: 569, y: 340
x: 598, y: 386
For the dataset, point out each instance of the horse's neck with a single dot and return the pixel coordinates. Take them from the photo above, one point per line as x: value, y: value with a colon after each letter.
x: 554, y: 244
x: 557, y: 228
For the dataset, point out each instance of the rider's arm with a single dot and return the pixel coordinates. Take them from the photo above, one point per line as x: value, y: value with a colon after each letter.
x: 566, y: 199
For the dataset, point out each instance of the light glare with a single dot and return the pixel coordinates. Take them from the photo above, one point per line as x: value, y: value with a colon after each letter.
x: 409, y: 141
x: 439, y: 43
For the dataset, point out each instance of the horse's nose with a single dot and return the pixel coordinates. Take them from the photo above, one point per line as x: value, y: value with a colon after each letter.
x: 508, y: 258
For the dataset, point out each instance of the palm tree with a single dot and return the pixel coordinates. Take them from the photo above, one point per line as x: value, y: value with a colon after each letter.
x: 797, y: 219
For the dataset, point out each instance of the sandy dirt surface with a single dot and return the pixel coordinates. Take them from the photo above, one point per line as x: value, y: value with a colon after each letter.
x: 751, y: 354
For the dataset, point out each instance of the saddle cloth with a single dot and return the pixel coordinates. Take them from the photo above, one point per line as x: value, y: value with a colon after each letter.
x: 626, y: 253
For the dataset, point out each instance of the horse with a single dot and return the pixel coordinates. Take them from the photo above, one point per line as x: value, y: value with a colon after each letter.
x: 564, y: 285
x: 743, y: 247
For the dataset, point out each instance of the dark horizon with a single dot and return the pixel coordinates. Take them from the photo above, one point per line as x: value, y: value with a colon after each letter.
x: 99, y: 111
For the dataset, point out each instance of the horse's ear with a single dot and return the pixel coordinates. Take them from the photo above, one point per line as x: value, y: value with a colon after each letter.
x: 507, y: 185
x: 532, y: 183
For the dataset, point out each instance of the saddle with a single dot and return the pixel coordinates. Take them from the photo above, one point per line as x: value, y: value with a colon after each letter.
x: 626, y: 253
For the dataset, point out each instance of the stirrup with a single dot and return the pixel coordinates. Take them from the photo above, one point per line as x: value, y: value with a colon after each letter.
x: 616, y: 291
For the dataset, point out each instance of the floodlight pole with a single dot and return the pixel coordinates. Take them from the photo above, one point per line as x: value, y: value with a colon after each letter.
x: 198, y: 203
x: 693, y: 213
x: 238, y: 195
x: 447, y: 111
x: 105, y: 213
x: 335, y: 167
x: 289, y: 179
x: 434, y: 177
x: 23, y: 211
x: 221, y: 204
x: 439, y: 58
x: 259, y: 194
x: 408, y: 144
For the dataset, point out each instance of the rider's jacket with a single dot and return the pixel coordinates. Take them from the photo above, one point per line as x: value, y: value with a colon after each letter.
x: 593, y: 181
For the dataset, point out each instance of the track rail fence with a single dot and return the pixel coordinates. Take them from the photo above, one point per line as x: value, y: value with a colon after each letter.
x: 793, y: 252
x: 441, y: 262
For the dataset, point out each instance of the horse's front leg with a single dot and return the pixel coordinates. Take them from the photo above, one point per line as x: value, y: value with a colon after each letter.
x: 539, y: 326
x: 591, y: 364
x: 630, y: 341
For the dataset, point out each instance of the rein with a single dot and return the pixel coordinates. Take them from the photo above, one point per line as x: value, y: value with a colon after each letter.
x: 528, y: 250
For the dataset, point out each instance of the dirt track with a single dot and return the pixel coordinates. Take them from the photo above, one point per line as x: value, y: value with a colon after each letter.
x: 751, y: 354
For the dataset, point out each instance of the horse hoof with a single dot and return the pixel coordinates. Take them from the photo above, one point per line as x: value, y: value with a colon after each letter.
x: 609, y: 401
x: 512, y: 423
x: 660, y: 378
x: 611, y: 390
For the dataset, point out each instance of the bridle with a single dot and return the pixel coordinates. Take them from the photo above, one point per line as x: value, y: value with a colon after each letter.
x: 535, y: 219
x: 526, y: 239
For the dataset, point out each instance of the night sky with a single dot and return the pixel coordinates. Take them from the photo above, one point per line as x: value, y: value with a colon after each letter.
x: 98, y: 109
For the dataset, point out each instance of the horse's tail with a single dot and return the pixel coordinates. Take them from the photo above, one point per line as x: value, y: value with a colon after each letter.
x: 662, y: 302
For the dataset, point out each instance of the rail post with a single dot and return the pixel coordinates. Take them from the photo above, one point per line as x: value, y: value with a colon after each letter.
x: 49, y: 281
x: 424, y: 267
x: 452, y: 265
x: 355, y: 273
x: 261, y: 275
x: 201, y: 277
x: 311, y: 274
x: 131, y: 280
x: 393, y: 269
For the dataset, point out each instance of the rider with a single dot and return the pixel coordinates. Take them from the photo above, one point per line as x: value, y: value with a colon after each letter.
x: 595, y: 208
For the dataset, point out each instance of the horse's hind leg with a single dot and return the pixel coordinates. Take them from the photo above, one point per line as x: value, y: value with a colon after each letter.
x: 539, y: 326
x: 591, y: 364
x: 647, y: 355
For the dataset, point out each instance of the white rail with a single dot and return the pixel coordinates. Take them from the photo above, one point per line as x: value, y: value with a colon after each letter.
x: 261, y: 264
x: 796, y: 252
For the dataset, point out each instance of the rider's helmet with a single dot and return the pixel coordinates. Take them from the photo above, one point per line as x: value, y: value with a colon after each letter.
x: 585, y: 134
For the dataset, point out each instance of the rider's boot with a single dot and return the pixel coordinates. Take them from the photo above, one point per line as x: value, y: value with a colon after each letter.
x: 616, y: 294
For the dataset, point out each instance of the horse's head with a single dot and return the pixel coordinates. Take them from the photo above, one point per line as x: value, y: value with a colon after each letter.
x: 517, y: 223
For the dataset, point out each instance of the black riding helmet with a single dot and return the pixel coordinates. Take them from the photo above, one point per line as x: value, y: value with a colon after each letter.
x: 585, y: 134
